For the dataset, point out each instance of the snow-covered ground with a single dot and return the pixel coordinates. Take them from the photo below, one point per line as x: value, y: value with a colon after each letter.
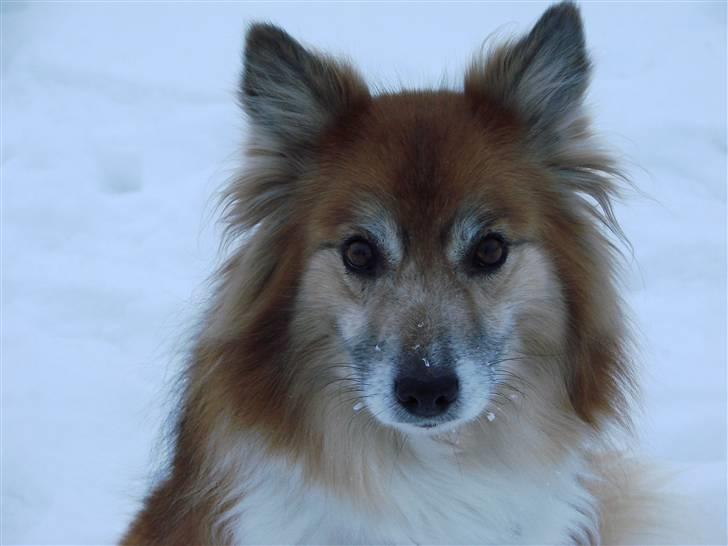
x: 118, y: 126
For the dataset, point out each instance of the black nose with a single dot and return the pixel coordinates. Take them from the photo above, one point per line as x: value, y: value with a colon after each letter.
x: 426, y: 396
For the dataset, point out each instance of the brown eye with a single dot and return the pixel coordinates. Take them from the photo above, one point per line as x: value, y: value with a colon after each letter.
x: 359, y: 256
x: 490, y: 252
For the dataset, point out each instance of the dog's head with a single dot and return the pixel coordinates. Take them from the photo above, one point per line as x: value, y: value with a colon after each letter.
x: 436, y: 254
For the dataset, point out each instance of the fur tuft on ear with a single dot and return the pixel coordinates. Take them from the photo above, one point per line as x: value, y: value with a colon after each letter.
x: 540, y: 78
x: 291, y: 96
x: 290, y: 93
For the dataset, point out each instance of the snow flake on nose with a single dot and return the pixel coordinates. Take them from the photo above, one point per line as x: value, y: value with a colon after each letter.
x: 358, y: 406
x: 427, y: 362
x: 490, y: 416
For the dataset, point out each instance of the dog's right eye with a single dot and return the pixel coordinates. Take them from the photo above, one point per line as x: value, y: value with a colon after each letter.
x: 359, y: 256
x: 489, y: 253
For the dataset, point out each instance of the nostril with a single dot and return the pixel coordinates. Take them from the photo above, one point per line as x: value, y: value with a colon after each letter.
x: 404, y: 392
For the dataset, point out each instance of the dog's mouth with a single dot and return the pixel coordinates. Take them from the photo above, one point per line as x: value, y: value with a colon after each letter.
x: 428, y: 428
x: 410, y: 424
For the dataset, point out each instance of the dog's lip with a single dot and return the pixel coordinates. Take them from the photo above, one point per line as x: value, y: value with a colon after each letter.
x: 428, y: 424
x: 429, y: 427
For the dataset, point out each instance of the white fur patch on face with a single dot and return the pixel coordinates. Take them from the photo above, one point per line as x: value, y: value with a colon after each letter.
x: 536, y: 298
x: 476, y: 385
x: 378, y: 390
x: 352, y: 323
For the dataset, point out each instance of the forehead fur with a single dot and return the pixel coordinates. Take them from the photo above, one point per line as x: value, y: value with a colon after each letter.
x: 429, y: 159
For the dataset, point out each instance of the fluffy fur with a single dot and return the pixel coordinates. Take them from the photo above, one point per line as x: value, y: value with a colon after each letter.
x: 289, y: 431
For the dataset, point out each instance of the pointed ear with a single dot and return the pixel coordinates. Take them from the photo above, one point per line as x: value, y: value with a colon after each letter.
x: 290, y: 93
x: 540, y: 78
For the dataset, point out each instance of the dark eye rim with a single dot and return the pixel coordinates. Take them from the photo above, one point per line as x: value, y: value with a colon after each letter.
x: 481, y: 268
x: 370, y: 269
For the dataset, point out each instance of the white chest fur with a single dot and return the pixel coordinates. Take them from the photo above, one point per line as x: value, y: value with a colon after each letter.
x: 431, y: 501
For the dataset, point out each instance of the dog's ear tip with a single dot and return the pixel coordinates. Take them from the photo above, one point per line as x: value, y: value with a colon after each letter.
x: 542, y: 77
x: 562, y: 19
x: 262, y: 36
x: 258, y: 31
x: 289, y: 91
x: 567, y: 12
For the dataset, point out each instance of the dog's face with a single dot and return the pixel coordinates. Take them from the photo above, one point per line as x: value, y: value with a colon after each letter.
x: 429, y: 261
x: 434, y: 249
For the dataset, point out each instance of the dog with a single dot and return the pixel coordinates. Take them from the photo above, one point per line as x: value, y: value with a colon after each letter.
x: 418, y: 338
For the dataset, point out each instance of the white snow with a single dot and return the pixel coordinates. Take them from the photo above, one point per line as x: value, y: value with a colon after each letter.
x: 119, y: 124
x: 358, y: 406
x: 490, y: 416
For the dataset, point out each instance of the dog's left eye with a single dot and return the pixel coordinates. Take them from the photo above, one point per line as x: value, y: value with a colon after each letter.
x: 489, y: 253
x: 359, y: 256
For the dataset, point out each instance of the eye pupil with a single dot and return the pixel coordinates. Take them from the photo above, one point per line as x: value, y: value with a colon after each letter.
x: 490, y: 252
x: 359, y: 256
